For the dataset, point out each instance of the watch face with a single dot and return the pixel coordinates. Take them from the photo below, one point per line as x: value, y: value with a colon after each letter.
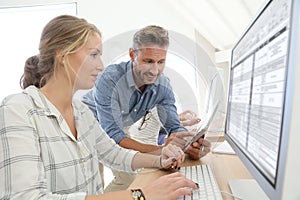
x: 136, y: 194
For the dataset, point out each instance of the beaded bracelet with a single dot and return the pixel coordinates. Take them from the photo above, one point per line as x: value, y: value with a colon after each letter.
x: 137, y: 194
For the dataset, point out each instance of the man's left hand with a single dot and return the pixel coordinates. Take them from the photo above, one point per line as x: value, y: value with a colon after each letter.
x: 199, y: 149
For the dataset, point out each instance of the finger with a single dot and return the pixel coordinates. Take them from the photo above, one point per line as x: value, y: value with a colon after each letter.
x: 206, y: 143
x: 183, y: 157
x: 192, y: 150
x: 183, y: 191
x: 196, y: 145
x: 167, y: 163
x: 173, y: 139
x: 178, y: 153
x: 184, y: 134
x: 175, y: 175
x: 191, y: 122
x: 185, y: 187
x: 179, y: 141
x: 193, y: 153
x: 169, y: 152
x: 206, y: 150
x: 180, y: 181
x: 173, y: 151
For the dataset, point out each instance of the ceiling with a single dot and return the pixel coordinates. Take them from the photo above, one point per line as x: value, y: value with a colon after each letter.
x: 220, y: 22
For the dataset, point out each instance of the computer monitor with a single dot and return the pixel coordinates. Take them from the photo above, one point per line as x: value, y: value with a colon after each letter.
x: 263, y: 106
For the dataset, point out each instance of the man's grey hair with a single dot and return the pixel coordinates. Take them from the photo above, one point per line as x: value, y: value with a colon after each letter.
x: 151, y: 35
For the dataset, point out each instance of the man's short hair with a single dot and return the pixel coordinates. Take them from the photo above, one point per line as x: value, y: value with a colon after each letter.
x: 151, y: 35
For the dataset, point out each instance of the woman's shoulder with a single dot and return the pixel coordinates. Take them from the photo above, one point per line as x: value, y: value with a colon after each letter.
x: 16, y: 107
x: 82, y: 109
x: 16, y: 99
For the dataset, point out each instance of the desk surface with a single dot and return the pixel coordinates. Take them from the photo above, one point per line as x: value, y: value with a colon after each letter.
x: 224, y: 166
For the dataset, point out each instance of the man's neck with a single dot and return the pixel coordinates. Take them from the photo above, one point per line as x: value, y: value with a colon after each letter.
x: 142, y: 88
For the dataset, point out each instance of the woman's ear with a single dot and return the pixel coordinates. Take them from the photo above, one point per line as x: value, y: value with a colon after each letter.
x: 60, y: 58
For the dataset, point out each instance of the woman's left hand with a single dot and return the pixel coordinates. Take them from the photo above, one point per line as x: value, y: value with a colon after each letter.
x: 171, y: 157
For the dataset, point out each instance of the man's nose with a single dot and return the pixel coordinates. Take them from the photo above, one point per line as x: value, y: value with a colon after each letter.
x: 155, y: 68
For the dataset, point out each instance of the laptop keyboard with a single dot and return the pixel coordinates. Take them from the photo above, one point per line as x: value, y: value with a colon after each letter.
x: 203, y: 175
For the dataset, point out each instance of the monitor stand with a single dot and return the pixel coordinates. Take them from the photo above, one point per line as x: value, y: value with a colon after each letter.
x: 246, y: 189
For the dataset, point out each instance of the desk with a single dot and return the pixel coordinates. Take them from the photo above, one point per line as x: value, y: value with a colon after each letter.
x: 224, y: 166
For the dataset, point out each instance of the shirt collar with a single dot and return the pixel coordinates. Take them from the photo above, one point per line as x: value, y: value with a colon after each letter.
x: 129, y: 75
x: 49, y: 109
x: 41, y: 101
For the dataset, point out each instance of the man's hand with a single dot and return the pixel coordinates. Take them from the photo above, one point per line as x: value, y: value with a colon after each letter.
x: 188, y: 118
x: 196, y: 150
x: 199, y: 149
x: 179, y: 139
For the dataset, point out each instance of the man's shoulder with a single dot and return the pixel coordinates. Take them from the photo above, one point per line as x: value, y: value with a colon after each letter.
x: 163, y: 81
x: 116, y: 69
x: 114, y: 73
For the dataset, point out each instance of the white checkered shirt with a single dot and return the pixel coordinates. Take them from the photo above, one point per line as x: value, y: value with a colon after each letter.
x: 39, y: 156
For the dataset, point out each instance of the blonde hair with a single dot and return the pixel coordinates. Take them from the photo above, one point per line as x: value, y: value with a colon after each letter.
x: 66, y: 34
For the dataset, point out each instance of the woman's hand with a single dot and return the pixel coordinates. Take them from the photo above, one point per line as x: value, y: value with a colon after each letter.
x: 169, y: 187
x: 171, y: 157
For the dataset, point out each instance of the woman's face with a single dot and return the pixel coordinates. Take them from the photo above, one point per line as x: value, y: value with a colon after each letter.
x: 86, y: 63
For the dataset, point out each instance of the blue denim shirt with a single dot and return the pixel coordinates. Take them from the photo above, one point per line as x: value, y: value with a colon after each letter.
x: 117, y: 102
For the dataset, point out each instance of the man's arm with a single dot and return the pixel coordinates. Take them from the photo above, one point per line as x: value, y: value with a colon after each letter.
x: 143, y: 148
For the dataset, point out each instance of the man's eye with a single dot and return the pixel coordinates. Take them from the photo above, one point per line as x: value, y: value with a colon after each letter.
x: 94, y: 55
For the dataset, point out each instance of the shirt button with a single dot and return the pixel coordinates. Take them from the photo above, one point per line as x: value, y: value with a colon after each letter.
x: 134, y: 110
x: 122, y: 111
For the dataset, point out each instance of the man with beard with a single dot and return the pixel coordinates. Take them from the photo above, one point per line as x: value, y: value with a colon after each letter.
x: 129, y: 91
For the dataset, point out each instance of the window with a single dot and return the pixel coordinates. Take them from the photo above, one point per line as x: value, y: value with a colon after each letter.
x: 21, y: 28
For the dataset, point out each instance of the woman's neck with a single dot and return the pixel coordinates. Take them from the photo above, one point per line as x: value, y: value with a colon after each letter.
x: 60, y: 94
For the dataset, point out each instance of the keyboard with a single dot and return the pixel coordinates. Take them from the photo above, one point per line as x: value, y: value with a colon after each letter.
x: 203, y: 175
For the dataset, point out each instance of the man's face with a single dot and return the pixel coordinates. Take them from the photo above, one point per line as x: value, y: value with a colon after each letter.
x: 148, y: 64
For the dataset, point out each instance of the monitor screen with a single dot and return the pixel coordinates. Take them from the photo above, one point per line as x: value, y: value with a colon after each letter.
x: 257, y: 98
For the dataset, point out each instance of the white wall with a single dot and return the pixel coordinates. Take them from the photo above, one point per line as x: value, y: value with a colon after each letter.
x: 117, y: 16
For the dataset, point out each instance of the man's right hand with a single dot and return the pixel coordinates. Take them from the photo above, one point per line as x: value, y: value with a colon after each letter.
x: 179, y: 139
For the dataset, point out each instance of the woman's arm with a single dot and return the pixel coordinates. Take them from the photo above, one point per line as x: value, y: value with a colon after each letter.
x: 171, y: 155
